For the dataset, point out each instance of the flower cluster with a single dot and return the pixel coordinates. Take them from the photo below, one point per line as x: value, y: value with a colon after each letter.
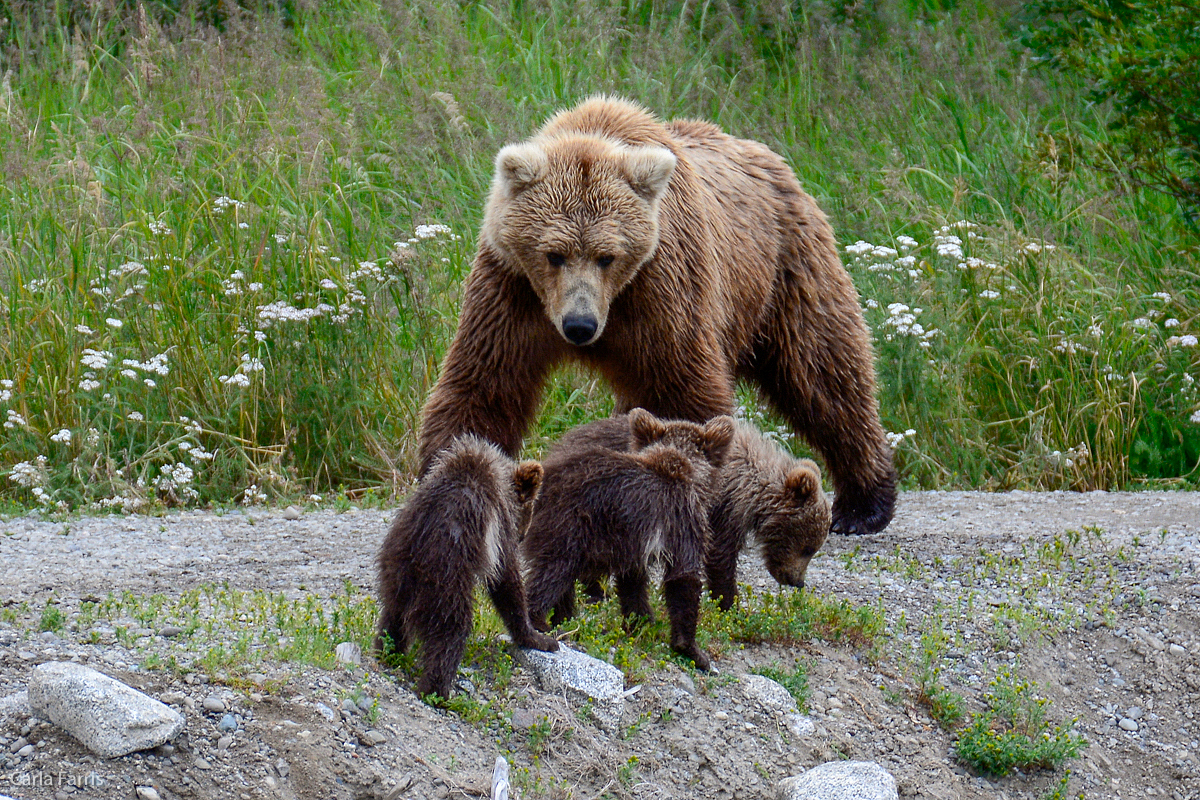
x: 32, y: 475
x: 903, y: 322
x: 895, y: 439
x: 223, y: 204
x: 5, y: 390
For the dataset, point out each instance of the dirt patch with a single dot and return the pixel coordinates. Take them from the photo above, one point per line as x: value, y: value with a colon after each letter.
x: 1093, y: 598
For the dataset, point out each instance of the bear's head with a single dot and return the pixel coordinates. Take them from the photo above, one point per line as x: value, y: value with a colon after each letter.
x: 700, y: 449
x: 577, y: 214
x: 795, y: 523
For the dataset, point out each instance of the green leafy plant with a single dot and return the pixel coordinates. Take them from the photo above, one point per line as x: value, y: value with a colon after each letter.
x: 794, y: 680
x: 1143, y: 56
x: 1013, y: 733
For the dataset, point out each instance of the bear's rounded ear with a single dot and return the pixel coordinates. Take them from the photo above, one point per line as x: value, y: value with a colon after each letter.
x: 802, y: 484
x: 519, y: 166
x: 649, y: 170
x: 644, y: 428
x: 527, y: 478
x: 717, y: 436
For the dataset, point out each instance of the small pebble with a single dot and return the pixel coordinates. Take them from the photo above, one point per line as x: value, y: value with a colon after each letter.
x: 202, y: 764
x: 214, y: 704
x: 1133, y: 712
x: 721, y: 715
x: 26, y: 751
x: 170, y: 630
x: 147, y: 793
x: 376, y: 737
x: 18, y: 744
x: 1177, y: 650
x: 349, y: 706
x: 291, y: 513
x: 224, y: 742
x: 1128, y: 725
x: 227, y: 723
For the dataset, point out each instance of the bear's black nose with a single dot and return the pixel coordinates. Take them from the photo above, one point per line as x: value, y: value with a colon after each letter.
x: 579, y: 329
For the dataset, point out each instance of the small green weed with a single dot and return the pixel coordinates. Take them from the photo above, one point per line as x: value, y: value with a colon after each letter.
x: 52, y: 617
x: 1012, y: 733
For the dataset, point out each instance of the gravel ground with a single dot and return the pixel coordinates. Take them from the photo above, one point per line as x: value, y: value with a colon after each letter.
x: 1106, y: 621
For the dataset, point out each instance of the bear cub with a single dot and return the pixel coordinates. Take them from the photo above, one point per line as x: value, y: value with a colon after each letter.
x: 768, y: 498
x: 460, y: 526
x: 762, y: 497
x: 608, y: 510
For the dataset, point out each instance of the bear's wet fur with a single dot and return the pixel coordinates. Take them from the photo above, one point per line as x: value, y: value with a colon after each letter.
x: 605, y: 511
x: 671, y: 259
x: 460, y: 526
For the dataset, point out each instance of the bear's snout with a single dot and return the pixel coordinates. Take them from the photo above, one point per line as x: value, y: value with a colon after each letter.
x: 579, y: 329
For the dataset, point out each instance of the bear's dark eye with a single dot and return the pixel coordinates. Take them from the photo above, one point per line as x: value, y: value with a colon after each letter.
x: 556, y: 259
x: 604, y: 261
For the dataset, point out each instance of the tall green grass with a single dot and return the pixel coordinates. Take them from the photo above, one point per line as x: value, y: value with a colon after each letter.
x: 243, y: 203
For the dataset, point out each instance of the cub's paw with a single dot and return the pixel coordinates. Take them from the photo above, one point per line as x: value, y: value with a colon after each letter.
x: 539, y: 641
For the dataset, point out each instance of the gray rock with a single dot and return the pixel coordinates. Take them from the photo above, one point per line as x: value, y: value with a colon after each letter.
x: 1133, y: 712
x: 768, y: 694
x: 349, y: 706
x: 1177, y: 649
x: 18, y: 744
x: 840, y: 780
x: 202, y: 763
x: 800, y: 725
x: 582, y: 679
x: 325, y: 711
x: 170, y: 631
x: 227, y: 723
x: 348, y: 653
x: 26, y: 751
x: 1128, y: 725
x: 214, y: 704
x: 224, y: 742
x: 147, y: 793
x: 291, y: 513
x: 106, y: 716
x: 15, y: 705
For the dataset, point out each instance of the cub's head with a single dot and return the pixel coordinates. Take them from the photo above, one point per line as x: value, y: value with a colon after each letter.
x: 579, y: 214
x: 704, y: 447
x: 795, y: 523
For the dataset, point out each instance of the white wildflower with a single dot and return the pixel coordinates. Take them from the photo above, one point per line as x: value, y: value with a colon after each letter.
x: 159, y: 228
x: 243, y: 225
x: 328, y: 284
x: 135, y: 416
x: 62, y: 437
x: 253, y: 495
x: 872, y: 303
x: 989, y: 294
x: 224, y: 203
x: 430, y: 231
x: 894, y: 439
x: 1187, y: 341
x: 254, y: 286
x: 84, y: 329
x: 906, y: 242
x: 14, y: 419
x: 1096, y: 330
x: 1196, y: 416
x: 128, y: 373
x: 906, y: 262
x: 113, y: 323
x: 1164, y: 296
x: 149, y: 382
x: 250, y: 364
x: 92, y: 438
x: 280, y: 238
x: 1171, y: 323
x: 236, y: 379
x: 858, y: 248
x: 1142, y: 322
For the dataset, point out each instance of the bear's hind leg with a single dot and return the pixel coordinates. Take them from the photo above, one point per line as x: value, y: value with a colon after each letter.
x: 632, y: 589
x: 391, y: 636
x: 443, y: 625
x: 682, y: 596
x: 508, y: 596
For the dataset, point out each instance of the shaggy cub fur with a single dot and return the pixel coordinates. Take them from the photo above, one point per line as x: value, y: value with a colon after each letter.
x: 762, y: 496
x: 772, y: 498
x: 460, y: 526
x: 612, y: 510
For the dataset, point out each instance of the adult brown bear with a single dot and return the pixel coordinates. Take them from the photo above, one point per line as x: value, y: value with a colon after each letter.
x: 672, y: 259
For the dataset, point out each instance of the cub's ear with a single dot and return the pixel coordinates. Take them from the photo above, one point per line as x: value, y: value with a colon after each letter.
x: 644, y: 427
x: 527, y: 478
x: 519, y: 166
x: 716, y: 438
x: 649, y: 170
x: 802, y: 484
